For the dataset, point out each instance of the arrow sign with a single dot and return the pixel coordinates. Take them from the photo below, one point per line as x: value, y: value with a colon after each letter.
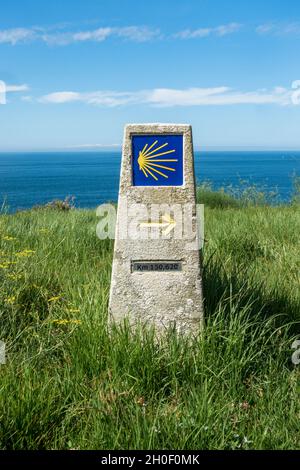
x: 167, y: 222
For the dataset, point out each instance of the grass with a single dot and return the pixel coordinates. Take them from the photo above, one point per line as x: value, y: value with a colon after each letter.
x: 70, y: 384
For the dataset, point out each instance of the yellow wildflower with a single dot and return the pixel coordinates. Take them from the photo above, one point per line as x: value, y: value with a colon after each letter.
x: 4, y: 265
x: 54, y: 299
x: 65, y: 322
x: 25, y: 253
x: 61, y: 322
x: 14, y: 277
x: 10, y: 300
x: 73, y: 310
x: 8, y: 238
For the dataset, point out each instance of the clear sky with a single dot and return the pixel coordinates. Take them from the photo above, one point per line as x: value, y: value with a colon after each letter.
x: 76, y: 71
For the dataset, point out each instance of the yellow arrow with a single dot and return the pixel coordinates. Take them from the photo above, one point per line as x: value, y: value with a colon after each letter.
x: 167, y: 221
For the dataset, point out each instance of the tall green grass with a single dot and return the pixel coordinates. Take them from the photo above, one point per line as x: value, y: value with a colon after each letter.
x: 69, y: 383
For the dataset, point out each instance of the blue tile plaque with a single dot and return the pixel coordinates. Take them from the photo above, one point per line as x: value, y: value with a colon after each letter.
x: 157, y: 160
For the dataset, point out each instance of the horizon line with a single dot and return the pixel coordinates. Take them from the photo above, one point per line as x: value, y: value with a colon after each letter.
x: 117, y: 148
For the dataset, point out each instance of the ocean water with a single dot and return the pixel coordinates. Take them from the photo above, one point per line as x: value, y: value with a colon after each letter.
x: 28, y: 179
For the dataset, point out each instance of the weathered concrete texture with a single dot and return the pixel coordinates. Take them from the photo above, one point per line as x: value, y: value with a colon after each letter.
x: 161, y: 299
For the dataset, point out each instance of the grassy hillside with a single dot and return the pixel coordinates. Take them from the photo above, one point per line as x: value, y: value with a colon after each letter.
x: 68, y: 383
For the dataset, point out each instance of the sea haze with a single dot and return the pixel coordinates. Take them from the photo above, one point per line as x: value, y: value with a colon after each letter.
x: 28, y: 179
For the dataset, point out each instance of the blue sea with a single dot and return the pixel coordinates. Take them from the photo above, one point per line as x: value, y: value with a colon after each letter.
x: 28, y: 179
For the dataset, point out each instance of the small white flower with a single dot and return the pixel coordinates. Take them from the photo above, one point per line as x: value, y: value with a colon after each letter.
x: 246, y: 440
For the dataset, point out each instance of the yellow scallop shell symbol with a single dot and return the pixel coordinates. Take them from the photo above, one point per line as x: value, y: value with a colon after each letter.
x: 149, y: 164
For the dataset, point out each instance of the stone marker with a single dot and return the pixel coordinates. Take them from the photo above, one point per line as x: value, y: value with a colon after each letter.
x: 156, y: 275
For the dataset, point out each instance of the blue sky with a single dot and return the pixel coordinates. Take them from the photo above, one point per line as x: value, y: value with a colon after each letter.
x: 77, y: 71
